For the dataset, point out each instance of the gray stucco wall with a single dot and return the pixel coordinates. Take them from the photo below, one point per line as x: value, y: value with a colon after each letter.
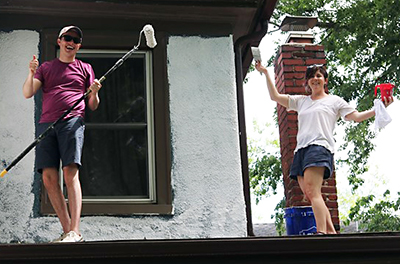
x: 206, y: 174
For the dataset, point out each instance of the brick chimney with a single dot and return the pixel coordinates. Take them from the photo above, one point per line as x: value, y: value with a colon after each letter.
x: 290, y: 66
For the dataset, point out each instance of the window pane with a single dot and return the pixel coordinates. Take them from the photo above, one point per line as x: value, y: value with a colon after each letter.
x: 123, y: 96
x: 114, y: 163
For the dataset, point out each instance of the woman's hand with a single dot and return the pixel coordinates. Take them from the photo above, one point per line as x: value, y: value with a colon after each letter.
x: 260, y: 68
x: 387, y: 100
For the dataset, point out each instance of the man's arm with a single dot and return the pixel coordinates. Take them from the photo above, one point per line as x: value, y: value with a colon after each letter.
x: 93, y: 98
x: 31, y: 84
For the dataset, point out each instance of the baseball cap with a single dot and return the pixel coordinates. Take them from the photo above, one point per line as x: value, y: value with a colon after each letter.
x: 69, y: 28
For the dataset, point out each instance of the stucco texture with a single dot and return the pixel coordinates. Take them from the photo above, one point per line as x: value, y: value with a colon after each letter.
x: 206, y: 170
x: 17, y: 131
x: 206, y: 174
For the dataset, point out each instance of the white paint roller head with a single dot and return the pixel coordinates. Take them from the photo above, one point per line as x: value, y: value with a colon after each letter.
x: 149, y: 34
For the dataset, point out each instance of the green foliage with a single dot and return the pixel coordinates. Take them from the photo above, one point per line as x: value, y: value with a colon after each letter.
x: 378, y: 217
x: 280, y: 224
x: 355, y: 136
x: 265, y: 169
x: 251, y: 69
x: 265, y: 174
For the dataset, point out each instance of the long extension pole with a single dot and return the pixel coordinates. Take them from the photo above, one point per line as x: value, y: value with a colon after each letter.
x: 51, y: 127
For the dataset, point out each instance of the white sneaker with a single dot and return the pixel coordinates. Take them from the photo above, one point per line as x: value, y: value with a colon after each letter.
x: 57, y: 240
x: 71, y: 236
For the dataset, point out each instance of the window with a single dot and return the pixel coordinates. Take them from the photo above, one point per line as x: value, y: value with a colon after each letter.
x: 125, y: 161
x: 118, y: 155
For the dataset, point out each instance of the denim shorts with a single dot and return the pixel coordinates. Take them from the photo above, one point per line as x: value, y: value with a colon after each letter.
x: 312, y: 156
x: 64, y: 142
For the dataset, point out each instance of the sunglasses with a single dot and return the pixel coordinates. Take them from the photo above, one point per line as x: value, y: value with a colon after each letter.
x: 68, y: 38
x: 315, y: 66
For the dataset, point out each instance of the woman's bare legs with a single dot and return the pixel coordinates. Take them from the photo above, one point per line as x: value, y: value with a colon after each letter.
x: 311, y: 184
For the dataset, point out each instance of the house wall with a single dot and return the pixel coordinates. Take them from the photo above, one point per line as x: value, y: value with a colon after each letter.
x: 16, y: 133
x: 206, y: 175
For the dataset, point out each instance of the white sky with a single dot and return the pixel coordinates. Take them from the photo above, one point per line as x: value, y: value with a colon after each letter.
x: 382, y: 174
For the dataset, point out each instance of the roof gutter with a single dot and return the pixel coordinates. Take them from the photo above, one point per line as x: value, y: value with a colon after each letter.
x: 239, y: 47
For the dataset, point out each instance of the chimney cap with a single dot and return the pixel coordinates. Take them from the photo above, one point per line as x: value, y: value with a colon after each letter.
x: 298, y: 23
x: 296, y: 37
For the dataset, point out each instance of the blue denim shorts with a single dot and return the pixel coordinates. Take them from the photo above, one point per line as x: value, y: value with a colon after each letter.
x: 312, y: 156
x: 64, y: 142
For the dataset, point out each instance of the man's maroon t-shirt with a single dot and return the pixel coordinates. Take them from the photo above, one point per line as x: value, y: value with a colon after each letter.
x: 62, y: 85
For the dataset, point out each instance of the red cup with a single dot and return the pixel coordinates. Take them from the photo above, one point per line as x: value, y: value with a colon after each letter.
x: 386, y: 90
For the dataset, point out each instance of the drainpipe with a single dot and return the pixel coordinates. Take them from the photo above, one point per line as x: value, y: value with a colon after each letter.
x: 254, y: 37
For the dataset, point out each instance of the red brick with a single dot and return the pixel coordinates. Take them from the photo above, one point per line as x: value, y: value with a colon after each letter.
x: 281, y: 87
x: 334, y: 213
x: 331, y: 204
x: 286, y: 48
x: 292, y: 182
x: 300, y: 83
x: 315, y: 61
x: 295, y: 75
x: 289, y: 68
x: 295, y: 191
x: 284, y: 55
x: 293, y: 62
x: 292, y: 146
x: 335, y: 220
x: 279, y: 72
x: 328, y: 189
x: 293, y: 126
x: 331, y: 181
x: 314, y: 47
x: 333, y: 197
x: 292, y: 117
x: 304, y: 54
x: 297, y: 198
x: 294, y: 90
x: 289, y: 81
x: 300, y: 203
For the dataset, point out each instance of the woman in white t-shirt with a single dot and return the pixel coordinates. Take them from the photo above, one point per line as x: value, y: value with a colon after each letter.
x: 317, y: 117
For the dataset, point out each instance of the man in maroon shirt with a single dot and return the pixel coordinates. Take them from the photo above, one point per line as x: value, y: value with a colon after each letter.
x: 63, y: 81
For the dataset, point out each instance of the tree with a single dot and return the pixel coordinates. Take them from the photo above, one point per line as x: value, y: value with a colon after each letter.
x: 265, y: 168
x: 378, y: 217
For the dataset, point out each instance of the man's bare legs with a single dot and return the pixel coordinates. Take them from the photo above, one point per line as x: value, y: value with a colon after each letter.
x: 52, y: 185
x: 69, y: 220
x: 71, y: 178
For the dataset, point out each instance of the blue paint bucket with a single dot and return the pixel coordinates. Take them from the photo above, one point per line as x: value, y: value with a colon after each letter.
x: 300, y: 221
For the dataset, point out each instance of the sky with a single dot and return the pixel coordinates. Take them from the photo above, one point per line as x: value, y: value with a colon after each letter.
x: 382, y: 174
